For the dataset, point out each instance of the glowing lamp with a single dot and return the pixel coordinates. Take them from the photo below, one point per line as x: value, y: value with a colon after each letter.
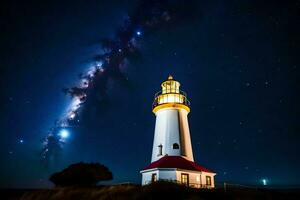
x: 170, y: 94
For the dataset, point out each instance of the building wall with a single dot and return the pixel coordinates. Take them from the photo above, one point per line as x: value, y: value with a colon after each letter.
x: 196, y: 179
x: 168, y: 175
x: 212, y: 175
x: 193, y: 180
x: 146, y: 177
x: 172, y: 127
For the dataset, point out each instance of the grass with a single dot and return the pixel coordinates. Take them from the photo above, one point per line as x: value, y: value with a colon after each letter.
x: 159, y: 190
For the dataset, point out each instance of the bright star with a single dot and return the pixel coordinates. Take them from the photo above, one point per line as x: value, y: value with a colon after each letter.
x: 139, y: 33
x: 64, y: 133
x: 99, y: 64
x: 72, y: 115
x: 21, y: 141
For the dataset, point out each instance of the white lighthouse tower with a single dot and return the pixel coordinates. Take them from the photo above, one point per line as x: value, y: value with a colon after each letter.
x: 172, y: 154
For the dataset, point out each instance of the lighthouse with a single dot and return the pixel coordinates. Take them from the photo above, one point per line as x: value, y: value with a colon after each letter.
x: 172, y: 154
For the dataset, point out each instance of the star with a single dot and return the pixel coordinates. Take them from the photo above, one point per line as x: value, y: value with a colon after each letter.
x: 139, y: 33
x: 64, y: 133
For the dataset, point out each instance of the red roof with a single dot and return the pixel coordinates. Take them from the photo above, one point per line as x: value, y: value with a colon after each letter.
x: 176, y: 162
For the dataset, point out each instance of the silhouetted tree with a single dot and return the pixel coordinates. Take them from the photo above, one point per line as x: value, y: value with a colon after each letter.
x: 81, y: 174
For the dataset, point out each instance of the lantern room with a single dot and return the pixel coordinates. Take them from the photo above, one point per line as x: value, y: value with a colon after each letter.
x: 170, y: 94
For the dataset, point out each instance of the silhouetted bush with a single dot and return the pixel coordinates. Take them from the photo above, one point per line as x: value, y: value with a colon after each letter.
x: 81, y: 174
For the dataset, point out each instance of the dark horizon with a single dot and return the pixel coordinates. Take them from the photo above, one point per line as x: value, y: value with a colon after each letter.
x: 237, y: 61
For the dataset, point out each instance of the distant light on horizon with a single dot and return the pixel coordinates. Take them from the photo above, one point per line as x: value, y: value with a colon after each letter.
x: 264, y: 181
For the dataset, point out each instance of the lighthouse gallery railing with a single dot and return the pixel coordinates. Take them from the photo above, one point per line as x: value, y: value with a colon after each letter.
x: 164, y: 98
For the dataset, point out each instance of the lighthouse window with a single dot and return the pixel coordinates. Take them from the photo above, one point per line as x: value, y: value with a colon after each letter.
x: 185, y: 179
x: 154, y: 178
x: 175, y: 146
x: 159, y: 150
x: 208, y: 180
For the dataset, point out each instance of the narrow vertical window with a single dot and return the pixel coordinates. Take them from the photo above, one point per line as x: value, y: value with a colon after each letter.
x: 208, y: 180
x: 154, y: 178
x: 159, y: 150
x: 185, y: 179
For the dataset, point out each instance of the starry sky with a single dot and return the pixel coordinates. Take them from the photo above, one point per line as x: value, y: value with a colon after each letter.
x: 238, y: 61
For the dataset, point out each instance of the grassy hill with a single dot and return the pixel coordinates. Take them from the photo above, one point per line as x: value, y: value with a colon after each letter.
x: 161, y: 190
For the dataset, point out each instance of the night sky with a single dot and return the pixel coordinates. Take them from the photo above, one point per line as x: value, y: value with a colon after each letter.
x: 238, y: 61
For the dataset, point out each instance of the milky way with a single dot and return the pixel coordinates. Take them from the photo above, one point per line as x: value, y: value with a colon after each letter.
x: 116, y: 53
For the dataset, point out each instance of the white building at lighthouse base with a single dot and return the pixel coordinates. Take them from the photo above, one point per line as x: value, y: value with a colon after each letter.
x: 180, y: 170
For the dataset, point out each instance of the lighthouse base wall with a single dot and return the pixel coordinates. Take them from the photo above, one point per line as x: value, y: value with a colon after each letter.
x: 194, y: 179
